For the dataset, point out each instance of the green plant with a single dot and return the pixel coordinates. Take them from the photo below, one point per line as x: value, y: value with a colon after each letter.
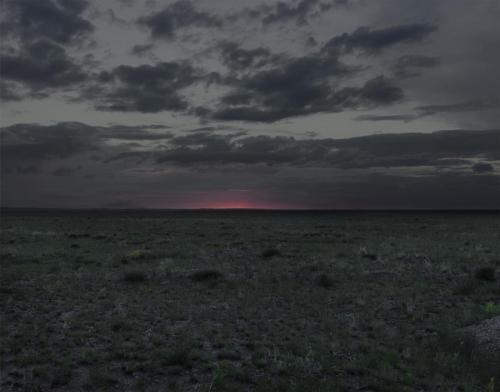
x: 492, y: 309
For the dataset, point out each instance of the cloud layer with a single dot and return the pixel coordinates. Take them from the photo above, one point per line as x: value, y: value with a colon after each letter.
x: 266, y: 166
x: 300, y: 103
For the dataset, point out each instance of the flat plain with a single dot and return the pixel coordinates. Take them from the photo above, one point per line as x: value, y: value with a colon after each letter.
x: 246, y: 301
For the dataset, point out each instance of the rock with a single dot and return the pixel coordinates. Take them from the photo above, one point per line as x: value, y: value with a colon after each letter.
x: 486, y: 336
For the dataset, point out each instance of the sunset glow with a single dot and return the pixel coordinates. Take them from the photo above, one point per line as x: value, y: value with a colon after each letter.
x: 217, y: 201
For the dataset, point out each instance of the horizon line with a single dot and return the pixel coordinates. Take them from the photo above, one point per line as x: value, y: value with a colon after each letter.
x: 208, y: 209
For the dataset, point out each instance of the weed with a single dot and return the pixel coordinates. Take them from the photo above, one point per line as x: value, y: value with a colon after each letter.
x: 492, y: 309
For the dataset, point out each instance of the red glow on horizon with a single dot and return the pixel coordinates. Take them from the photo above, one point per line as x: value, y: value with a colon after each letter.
x: 240, y: 205
x: 237, y: 201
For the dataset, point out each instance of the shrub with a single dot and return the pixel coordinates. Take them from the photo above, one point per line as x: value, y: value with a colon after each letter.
x: 138, y: 255
x: 180, y: 356
x: 269, y: 253
x: 229, y: 355
x: 135, y: 277
x: 206, y: 275
x: 325, y: 280
x: 120, y: 326
x: 485, y: 273
x: 370, y: 256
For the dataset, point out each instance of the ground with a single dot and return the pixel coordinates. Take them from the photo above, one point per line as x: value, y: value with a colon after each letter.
x: 246, y: 301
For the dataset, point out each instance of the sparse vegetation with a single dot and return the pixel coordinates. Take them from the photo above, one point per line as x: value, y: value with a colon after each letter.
x: 131, y: 308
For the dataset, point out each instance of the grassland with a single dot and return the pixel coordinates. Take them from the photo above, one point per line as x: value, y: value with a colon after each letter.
x: 240, y: 301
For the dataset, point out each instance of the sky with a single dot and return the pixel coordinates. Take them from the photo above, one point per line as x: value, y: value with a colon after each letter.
x: 296, y: 104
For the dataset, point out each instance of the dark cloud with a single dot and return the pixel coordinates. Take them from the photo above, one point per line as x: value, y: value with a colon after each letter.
x: 299, y: 12
x: 410, y: 66
x: 377, y: 91
x: 144, y: 88
x: 41, y: 65
x: 373, y: 41
x: 386, y: 117
x: 30, y: 144
x: 126, y: 3
x: 8, y: 92
x: 277, y: 94
x: 431, y: 110
x: 439, y: 144
x: 24, y: 144
x: 317, y: 173
x: 66, y: 171
x: 384, y: 191
x: 467, y: 106
x: 266, y: 86
x: 237, y: 58
x: 134, y: 133
x: 383, y: 150
x: 58, y: 20
x: 260, y: 94
x: 141, y: 50
x: 482, y: 167
x: 28, y: 170
x: 178, y: 15
x: 111, y: 17
x: 183, y: 14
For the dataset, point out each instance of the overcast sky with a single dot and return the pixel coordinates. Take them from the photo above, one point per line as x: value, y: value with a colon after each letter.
x: 255, y: 104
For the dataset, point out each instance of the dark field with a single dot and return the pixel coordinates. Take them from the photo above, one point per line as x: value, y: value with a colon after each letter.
x: 236, y: 301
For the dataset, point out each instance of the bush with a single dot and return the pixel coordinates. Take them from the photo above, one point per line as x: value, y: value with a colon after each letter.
x: 325, y: 280
x: 206, y: 275
x: 269, y: 253
x: 135, y: 277
x: 138, y: 255
x: 485, y: 273
x: 179, y: 356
